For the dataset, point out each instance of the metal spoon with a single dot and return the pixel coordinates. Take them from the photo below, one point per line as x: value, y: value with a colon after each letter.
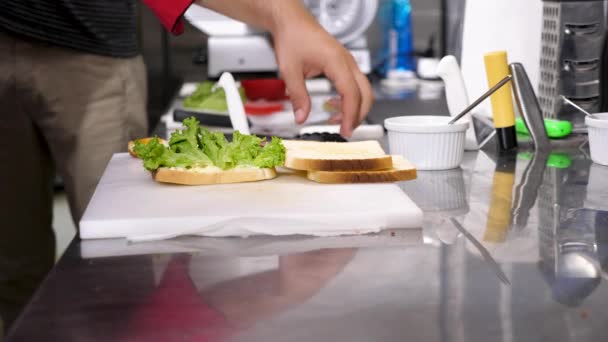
x: 577, y: 107
x: 480, y: 99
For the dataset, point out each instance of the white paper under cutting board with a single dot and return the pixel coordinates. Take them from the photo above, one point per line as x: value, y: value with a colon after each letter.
x: 128, y: 203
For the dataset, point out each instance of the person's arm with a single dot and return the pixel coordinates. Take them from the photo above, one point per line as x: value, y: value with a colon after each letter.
x: 303, y: 49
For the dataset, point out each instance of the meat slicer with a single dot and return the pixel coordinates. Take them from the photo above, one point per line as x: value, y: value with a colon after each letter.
x: 233, y: 46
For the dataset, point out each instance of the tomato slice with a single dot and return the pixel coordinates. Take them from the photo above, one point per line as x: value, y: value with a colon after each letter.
x: 263, y: 107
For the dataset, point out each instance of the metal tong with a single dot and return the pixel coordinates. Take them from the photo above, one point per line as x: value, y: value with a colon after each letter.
x: 528, y: 106
x: 527, y: 103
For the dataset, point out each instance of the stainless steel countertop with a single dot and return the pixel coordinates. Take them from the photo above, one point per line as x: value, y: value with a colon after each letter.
x: 512, y: 249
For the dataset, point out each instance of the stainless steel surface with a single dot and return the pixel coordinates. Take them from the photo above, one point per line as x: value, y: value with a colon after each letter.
x: 526, y: 191
x: 578, y: 107
x: 481, y: 98
x: 528, y: 106
x: 440, y: 286
x: 483, y: 251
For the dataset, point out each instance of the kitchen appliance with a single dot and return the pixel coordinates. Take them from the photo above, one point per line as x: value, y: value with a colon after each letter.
x: 571, y: 56
x: 233, y: 46
x: 128, y: 203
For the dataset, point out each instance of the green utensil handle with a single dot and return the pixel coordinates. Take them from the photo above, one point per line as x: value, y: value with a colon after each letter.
x: 555, y: 128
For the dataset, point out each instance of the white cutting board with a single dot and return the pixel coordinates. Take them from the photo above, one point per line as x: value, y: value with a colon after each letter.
x: 129, y: 203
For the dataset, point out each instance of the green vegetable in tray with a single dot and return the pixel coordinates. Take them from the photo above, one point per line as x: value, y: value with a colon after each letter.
x: 194, y: 146
x: 206, y: 98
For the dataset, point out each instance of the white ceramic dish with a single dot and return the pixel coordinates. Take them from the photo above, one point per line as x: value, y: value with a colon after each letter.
x: 427, y: 141
x: 598, y: 137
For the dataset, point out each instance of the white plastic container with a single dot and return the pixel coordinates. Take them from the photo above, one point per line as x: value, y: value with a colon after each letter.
x: 427, y: 141
x: 598, y: 137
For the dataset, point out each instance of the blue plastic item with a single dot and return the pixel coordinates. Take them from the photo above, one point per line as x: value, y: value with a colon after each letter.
x: 396, y: 23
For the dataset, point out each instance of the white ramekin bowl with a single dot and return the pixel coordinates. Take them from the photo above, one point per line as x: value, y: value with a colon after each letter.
x: 598, y: 137
x: 427, y: 141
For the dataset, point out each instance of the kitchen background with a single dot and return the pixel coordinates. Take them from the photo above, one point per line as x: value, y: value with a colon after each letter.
x: 172, y: 60
x: 168, y: 68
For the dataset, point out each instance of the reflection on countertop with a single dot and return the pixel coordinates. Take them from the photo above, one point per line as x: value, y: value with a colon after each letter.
x: 511, y: 249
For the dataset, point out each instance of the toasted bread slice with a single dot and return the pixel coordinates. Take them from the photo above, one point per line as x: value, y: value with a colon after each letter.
x: 131, y: 145
x: 212, y: 175
x: 336, y: 156
x: 402, y: 170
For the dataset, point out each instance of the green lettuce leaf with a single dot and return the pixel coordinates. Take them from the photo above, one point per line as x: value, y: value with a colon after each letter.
x: 155, y: 155
x: 186, y: 141
x: 273, y: 154
x: 207, y: 98
x: 194, y: 146
x: 203, y: 90
x: 212, y: 144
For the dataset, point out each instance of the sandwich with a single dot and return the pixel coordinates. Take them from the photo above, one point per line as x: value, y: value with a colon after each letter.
x: 401, y: 170
x: 336, y: 156
x: 196, y: 156
x: 341, y: 162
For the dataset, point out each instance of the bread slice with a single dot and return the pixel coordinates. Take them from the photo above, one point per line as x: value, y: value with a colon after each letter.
x: 402, y: 170
x: 212, y: 175
x: 336, y: 156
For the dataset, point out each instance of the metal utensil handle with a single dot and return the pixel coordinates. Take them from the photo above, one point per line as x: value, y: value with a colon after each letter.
x: 577, y: 107
x: 480, y: 99
x: 528, y: 106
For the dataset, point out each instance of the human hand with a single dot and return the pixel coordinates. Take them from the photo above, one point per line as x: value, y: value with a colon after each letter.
x: 304, y: 49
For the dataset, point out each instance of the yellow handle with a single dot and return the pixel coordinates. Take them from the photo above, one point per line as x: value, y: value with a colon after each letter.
x: 497, y: 68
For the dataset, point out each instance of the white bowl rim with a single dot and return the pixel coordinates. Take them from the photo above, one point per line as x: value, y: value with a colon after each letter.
x: 434, y: 124
x: 600, y: 122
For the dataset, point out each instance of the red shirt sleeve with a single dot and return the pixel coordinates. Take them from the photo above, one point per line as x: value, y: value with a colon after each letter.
x: 170, y: 13
x: 176, y: 311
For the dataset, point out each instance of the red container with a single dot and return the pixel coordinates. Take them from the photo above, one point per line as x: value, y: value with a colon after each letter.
x: 269, y: 89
